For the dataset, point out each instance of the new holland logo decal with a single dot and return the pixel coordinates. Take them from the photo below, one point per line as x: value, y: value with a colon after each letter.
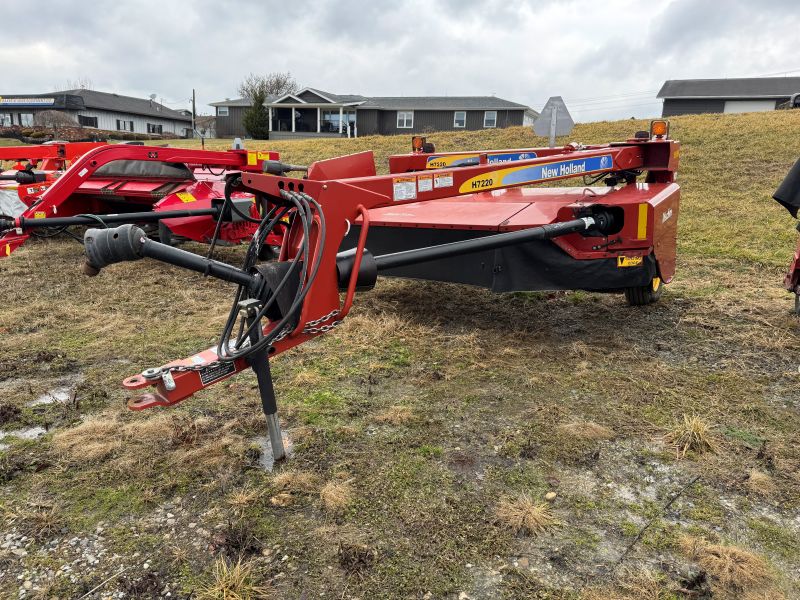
x: 534, y: 173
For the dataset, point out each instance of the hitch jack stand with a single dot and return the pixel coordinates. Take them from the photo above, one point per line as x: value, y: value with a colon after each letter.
x: 259, y: 362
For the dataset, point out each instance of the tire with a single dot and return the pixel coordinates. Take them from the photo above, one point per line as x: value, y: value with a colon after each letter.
x: 645, y: 294
x: 165, y: 235
x: 797, y: 304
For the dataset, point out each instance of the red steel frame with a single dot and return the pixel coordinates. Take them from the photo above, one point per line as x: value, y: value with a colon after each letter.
x: 53, y: 201
x: 344, y: 201
x: 54, y: 157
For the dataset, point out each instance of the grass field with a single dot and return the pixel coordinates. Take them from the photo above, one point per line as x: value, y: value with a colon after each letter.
x: 447, y: 442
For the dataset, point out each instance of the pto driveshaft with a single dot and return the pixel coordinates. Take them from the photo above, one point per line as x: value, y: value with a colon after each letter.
x: 600, y: 221
x: 27, y: 224
x: 104, y: 247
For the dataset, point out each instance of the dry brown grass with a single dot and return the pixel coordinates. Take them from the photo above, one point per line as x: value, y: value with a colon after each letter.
x: 35, y: 520
x: 93, y: 440
x: 395, y: 415
x: 586, y: 430
x: 524, y: 514
x: 134, y: 448
x: 730, y: 567
x: 232, y: 581
x: 760, y: 483
x: 691, y: 434
x: 336, y: 496
x: 632, y: 584
x: 296, y: 481
x: 282, y: 499
x: 241, y: 499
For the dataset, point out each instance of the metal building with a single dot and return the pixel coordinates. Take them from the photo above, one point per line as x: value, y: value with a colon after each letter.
x: 694, y: 96
x: 100, y: 110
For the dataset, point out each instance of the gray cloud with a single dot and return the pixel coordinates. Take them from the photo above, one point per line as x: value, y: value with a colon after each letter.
x: 607, y: 58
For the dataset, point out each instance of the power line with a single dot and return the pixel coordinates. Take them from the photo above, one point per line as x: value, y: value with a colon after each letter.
x: 613, y: 108
x: 574, y: 101
x: 615, y: 100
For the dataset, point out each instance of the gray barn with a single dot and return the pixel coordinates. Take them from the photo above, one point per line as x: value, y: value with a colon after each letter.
x: 314, y: 113
x: 694, y: 96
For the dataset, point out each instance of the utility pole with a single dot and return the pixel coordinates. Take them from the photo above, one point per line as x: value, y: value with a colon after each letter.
x: 194, y: 109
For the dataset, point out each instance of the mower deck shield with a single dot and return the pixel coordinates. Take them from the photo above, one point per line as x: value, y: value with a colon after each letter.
x: 569, y: 262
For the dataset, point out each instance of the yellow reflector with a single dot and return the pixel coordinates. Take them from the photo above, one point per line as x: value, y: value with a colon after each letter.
x: 641, y: 233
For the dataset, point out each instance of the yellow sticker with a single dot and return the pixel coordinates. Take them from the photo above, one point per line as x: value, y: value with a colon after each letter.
x: 629, y: 261
x: 263, y: 155
x: 641, y: 232
x: 441, y: 162
x: 185, y: 197
x: 39, y: 214
x: 252, y: 159
x: 8, y: 249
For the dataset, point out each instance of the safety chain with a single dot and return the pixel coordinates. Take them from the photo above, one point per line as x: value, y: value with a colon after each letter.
x: 311, y: 327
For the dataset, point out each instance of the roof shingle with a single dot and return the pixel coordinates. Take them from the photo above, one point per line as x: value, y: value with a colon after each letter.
x: 752, y: 87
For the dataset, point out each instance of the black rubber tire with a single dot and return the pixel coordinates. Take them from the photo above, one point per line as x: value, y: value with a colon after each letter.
x: 165, y: 235
x: 645, y: 294
x: 797, y: 304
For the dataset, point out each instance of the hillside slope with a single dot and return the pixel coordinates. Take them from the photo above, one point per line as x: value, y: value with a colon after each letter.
x: 430, y: 428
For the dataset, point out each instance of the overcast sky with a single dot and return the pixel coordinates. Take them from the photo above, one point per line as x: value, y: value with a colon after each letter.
x: 607, y: 59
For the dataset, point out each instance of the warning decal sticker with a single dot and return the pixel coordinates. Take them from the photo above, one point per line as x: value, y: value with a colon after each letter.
x: 186, y: 197
x: 629, y: 261
x: 404, y: 188
x: 212, y: 374
x: 424, y: 183
x: 443, y: 180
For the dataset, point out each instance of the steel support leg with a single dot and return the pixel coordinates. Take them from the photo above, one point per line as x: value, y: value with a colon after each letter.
x: 259, y: 362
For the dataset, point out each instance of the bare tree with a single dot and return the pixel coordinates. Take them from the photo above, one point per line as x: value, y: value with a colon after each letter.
x: 256, y: 89
x: 54, y: 119
x: 80, y: 83
x: 264, y: 86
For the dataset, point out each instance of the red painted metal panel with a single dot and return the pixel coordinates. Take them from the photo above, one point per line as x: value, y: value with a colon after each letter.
x: 446, y: 215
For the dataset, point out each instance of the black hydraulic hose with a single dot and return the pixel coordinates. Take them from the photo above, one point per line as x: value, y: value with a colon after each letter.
x: 499, y: 240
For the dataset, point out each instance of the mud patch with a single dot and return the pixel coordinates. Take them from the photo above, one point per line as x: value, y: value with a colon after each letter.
x: 8, y: 413
x: 266, y: 459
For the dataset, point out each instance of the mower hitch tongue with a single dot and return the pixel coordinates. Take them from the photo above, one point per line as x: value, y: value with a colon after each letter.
x: 476, y: 221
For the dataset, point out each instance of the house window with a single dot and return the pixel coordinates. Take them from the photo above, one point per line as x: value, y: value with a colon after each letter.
x: 405, y: 119
x: 6, y: 120
x: 26, y: 119
x: 222, y: 111
x: 460, y: 119
x: 152, y: 128
x: 330, y: 120
x: 124, y: 125
x: 490, y: 118
x: 85, y: 121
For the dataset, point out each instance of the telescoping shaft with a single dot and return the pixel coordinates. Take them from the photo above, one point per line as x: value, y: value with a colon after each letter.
x: 490, y: 242
x: 28, y: 224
